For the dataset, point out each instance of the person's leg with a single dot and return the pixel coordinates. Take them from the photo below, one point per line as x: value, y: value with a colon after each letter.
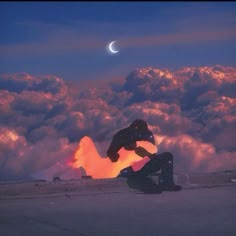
x: 140, y: 180
x: 163, y: 162
x: 144, y: 184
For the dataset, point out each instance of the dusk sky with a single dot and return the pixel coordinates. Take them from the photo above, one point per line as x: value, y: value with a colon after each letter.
x: 69, y: 39
x: 175, y: 69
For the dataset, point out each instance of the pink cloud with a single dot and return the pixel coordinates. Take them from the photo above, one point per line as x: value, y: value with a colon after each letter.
x: 43, y: 118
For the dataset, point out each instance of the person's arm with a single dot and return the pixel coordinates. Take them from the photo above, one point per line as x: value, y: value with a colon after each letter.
x: 113, y: 149
x: 130, y: 146
x: 142, y: 152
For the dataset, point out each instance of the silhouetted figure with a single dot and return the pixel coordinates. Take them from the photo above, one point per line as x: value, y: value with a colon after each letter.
x: 127, y: 137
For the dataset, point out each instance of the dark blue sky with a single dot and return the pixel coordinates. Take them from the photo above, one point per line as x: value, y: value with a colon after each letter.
x: 69, y: 39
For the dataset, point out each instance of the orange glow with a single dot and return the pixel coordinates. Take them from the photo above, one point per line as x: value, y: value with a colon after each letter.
x: 97, y: 167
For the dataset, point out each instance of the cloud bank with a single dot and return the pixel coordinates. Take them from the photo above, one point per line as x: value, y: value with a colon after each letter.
x: 191, y: 112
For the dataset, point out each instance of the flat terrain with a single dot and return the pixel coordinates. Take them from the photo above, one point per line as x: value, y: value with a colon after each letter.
x: 110, y: 208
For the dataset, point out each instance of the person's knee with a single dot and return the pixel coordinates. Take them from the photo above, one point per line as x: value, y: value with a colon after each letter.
x: 154, y: 156
x: 169, y: 156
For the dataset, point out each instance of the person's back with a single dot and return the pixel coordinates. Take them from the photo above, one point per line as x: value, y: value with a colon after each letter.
x: 127, y: 137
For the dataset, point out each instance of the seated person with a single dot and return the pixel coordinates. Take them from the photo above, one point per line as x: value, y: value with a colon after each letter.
x: 140, y: 178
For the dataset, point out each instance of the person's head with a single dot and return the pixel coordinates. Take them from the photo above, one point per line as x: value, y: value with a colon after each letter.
x: 141, y: 131
x: 139, y: 125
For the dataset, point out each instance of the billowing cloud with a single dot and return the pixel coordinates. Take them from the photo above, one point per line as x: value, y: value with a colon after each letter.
x: 19, y: 158
x: 193, y: 155
x: 191, y: 112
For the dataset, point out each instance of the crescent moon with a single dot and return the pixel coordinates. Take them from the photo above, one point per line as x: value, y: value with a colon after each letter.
x: 111, y: 49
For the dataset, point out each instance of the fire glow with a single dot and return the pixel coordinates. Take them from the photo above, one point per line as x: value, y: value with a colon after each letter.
x: 87, y: 157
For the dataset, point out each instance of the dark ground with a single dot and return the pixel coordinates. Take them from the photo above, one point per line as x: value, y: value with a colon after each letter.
x: 110, y: 208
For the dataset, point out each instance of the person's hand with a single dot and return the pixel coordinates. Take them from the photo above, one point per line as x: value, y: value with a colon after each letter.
x: 114, y: 157
x: 142, y: 152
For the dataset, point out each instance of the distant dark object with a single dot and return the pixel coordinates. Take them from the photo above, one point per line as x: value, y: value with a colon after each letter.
x: 37, y: 185
x: 67, y: 195
x: 82, y: 171
x: 87, y: 177
x: 40, y: 180
x: 56, y: 179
